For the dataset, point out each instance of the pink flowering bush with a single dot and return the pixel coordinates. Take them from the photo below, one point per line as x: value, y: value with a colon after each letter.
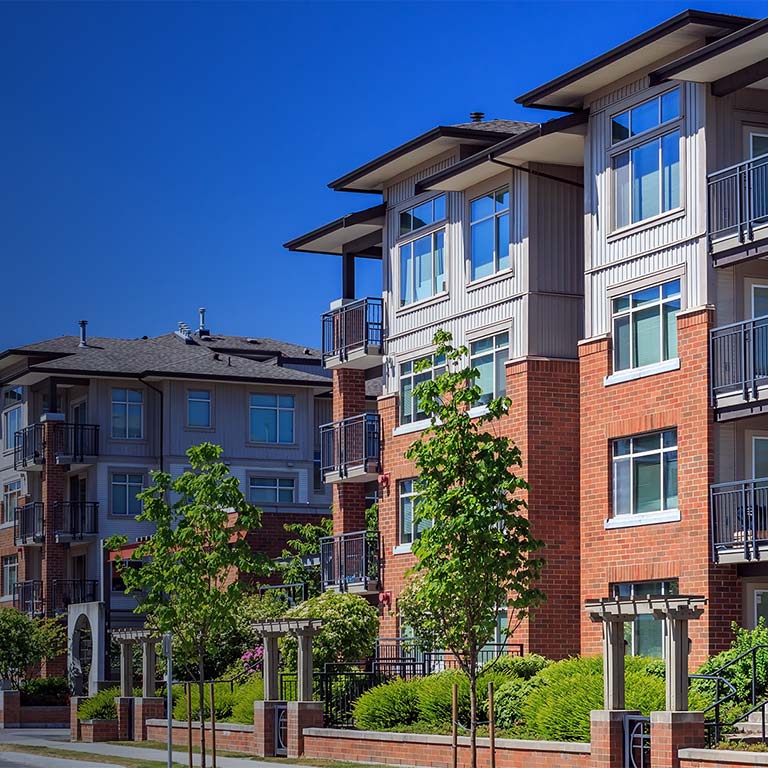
x: 253, y: 658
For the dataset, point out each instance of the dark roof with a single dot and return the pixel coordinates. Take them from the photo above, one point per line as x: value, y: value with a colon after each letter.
x: 366, y: 219
x: 497, y: 126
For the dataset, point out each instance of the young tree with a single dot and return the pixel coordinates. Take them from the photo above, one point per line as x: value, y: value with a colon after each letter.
x: 188, y: 583
x: 299, y: 550
x: 25, y: 642
x: 479, y: 552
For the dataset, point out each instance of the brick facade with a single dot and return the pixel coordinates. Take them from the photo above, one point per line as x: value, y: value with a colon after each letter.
x: 230, y: 737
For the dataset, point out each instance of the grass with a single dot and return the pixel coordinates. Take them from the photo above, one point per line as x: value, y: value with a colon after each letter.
x: 125, y: 762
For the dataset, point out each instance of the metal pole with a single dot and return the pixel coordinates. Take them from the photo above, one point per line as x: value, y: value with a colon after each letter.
x: 213, y: 728
x: 188, y: 687
x: 491, y: 726
x: 168, y: 653
x: 455, y: 725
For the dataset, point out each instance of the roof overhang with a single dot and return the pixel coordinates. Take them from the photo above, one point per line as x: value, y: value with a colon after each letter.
x: 738, y: 60
x: 559, y: 141
x: 567, y: 92
x: 363, y: 229
x: 372, y: 176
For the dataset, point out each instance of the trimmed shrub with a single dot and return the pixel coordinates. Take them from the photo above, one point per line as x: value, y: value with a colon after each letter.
x: 99, y: 707
x: 45, y: 692
x: 509, y: 700
x: 435, y: 698
x: 390, y: 705
x: 245, y: 694
x: 524, y: 667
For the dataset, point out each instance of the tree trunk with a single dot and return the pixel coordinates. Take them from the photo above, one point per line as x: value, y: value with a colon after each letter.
x: 201, y: 683
x: 473, y: 717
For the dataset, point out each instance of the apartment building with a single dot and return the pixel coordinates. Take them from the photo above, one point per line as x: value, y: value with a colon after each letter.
x: 479, y: 232
x: 85, y: 420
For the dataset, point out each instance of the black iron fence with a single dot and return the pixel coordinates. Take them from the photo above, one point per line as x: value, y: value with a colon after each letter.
x: 77, y: 518
x: 350, y: 444
x: 28, y: 522
x: 67, y: 592
x: 28, y: 446
x: 28, y: 597
x: 739, y: 517
x: 737, y: 200
x: 357, y: 326
x: 76, y: 441
x: 739, y: 358
x: 350, y: 559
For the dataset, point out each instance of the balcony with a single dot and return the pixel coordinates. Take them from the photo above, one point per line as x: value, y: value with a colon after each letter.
x: 739, y: 520
x: 68, y: 592
x: 76, y: 520
x: 739, y: 368
x: 28, y: 598
x: 737, y: 212
x: 350, y: 562
x: 28, y: 522
x: 28, y: 448
x: 353, y: 335
x: 350, y: 449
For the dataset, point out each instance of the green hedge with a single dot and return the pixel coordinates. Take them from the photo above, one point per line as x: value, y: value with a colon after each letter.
x: 45, y: 692
x: 388, y: 706
x: 99, y: 707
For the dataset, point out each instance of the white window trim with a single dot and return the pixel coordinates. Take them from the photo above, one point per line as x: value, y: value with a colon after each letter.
x: 644, y: 518
x: 401, y: 549
x: 211, y: 427
x: 630, y: 374
x: 268, y: 475
x: 414, y: 426
x: 494, y: 215
x: 433, y: 226
x: 277, y: 408
x: 117, y: 470
x: 8, y: 448
x: 112, y: 401
x: 492, y: 352
x: 430, y: 231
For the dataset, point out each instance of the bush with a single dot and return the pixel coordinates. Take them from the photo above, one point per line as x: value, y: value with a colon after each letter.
x: 45, y: 692
x: 524, y: 667
x: 435, y: 698
x: 390, y: 705
x: 509, y: 700
x: 99, y: 707
x: 224, y: 700
x: 245, y: 694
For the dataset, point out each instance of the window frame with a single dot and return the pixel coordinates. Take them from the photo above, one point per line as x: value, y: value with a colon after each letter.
x: 8, y: 432
x: 5, y: 567
x: 128, y: 404
x: 277, y: 409
x: 278, y: 479
x: 631, y: 627
x: 412, y: 375
x: 8, y: 510
x: 494, y: 355
x: 477, y: 195
x: 414, y: 532
x: 128, y: 472
x: 208, y: 427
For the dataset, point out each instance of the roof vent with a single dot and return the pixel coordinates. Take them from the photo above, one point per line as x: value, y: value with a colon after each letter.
x: 252, y: 341
x: 83, y: 339
x: 476, y: 117
x: 184, y: 333
x: 202, y: 330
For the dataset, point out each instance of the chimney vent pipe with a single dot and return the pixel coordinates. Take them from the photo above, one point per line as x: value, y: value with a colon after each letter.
x: 83, y: 339
x: 477, y: 117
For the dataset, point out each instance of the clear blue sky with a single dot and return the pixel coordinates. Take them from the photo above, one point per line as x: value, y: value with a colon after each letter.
x: 154, y: 157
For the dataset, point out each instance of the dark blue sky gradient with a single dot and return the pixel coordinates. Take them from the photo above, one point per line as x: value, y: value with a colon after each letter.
x: 154, y: 157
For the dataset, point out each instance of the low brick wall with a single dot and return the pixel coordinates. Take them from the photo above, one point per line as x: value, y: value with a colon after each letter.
x: 415, y: 749
x: 98, y: 730
x: 232, y: 737
x: 45, y: 717
x: 720, y: 758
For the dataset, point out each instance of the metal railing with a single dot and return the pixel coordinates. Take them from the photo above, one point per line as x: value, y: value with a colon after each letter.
x: 76, y: 441
x: 28, y: 446
x: 28, y: 522
x: 294, y: 593
x: 77, y: 518
x: 69, y: 591
x: 349, y: 559
x: 739, y: 517
x: 350, y: 443
x: 28, y: 597
x: 739, y: 358
x: 637, y: 741
x: 737, y: 200
x: 355, y: 326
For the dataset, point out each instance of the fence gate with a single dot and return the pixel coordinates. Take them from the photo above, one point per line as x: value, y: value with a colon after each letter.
x: 281, y: 730
x: 637, y: 741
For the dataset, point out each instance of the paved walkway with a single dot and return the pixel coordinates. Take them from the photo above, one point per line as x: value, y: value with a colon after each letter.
x: 59, y: 739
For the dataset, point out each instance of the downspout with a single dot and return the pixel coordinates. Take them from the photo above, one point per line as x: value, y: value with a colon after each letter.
x: 162, y: 419
x: 549, y: 176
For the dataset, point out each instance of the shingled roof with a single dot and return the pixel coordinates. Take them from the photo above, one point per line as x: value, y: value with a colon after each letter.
x: 512, y: 127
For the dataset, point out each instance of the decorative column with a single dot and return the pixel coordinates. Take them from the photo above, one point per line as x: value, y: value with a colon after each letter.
x: 148, y: 665
x: 126, y: 668
x: 270, y: 662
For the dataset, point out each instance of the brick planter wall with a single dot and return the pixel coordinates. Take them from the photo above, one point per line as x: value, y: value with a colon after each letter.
x: 10, y: 709
x: 98, y: 730
x: 45, y: 717
x: 231, y: 737
x: 720, y: 758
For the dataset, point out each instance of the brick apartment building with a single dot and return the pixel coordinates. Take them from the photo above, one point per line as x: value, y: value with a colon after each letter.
x: 85, y: 420
x: 605, y: 270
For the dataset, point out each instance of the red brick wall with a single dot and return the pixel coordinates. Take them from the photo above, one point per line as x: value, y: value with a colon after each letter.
x: 272, y: 536
x: 668, y: 550
x: 45, y: 716
x: 98, y: 730
x: 724, y: 759
x: 230, y: 737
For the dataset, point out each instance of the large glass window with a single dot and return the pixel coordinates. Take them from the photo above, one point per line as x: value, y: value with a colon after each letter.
x: 409, y: 379
x: 11, y: 425
x: 199, y: 408
x: 272, y: 490
x: 10, y: 574
x: 11, y: 497
x: 127, y: 414
x: 489, y: 356
x: 125, y: 487
x: 422, y: 267
x: 646, y: 177
x: 645, y: 326
x: 408, y: 496
x: 422, y: 215
x: 645, y: 473
x: 489, y: 233
x: 271, y: 418
x: 645, y: 635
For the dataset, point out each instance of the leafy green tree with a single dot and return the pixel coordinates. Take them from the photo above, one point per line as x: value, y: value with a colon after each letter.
x: 479, y: 552
x: 25, y: 641
x: 299, y: 550
x: 188, y: 583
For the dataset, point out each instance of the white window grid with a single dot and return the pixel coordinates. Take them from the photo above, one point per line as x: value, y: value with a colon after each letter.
x: 498, y: 352
x: 284, y: 489
x: 409, y: 378
x: 131, y: 402
x: 11, y: 496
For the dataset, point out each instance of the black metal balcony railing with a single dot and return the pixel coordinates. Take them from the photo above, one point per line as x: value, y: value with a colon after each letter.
x: 737, y: 200
x: 28, y: 598
x: 28, y: 446
x: 76, y: 441
x: 77, y: 518
x: 739, y: 513
x: 353, y: 443
x: 28, y: 522
x: 739, y: 358
x: 352, y: 327
x: 350, y: 559
x: 67, y: 592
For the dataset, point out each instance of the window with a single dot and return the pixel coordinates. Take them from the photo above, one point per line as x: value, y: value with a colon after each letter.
x: 645, y: 473
x: 317, y: 475
x: 10, y: 574
x: 422, y: 268
x: 646, y: 177
x: 422, y: 215
x: 489, y: 233
x: 489, y: 357
x: 12, y: 396
x: 11, y: 425
x: 644, y: 636
x: 125, y: 487
x: 409, y: 407
x: 127, y: 414
x: 272, y: 490
x: 645, y: 326
x: 271, y: 418
x: 409, y: 530
x: 11, y: 496
x: 199, y: 408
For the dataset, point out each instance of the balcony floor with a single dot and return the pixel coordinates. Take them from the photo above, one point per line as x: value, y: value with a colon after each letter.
x: 363, y: 473
x: 360, y: 359
x: 729, y: 250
